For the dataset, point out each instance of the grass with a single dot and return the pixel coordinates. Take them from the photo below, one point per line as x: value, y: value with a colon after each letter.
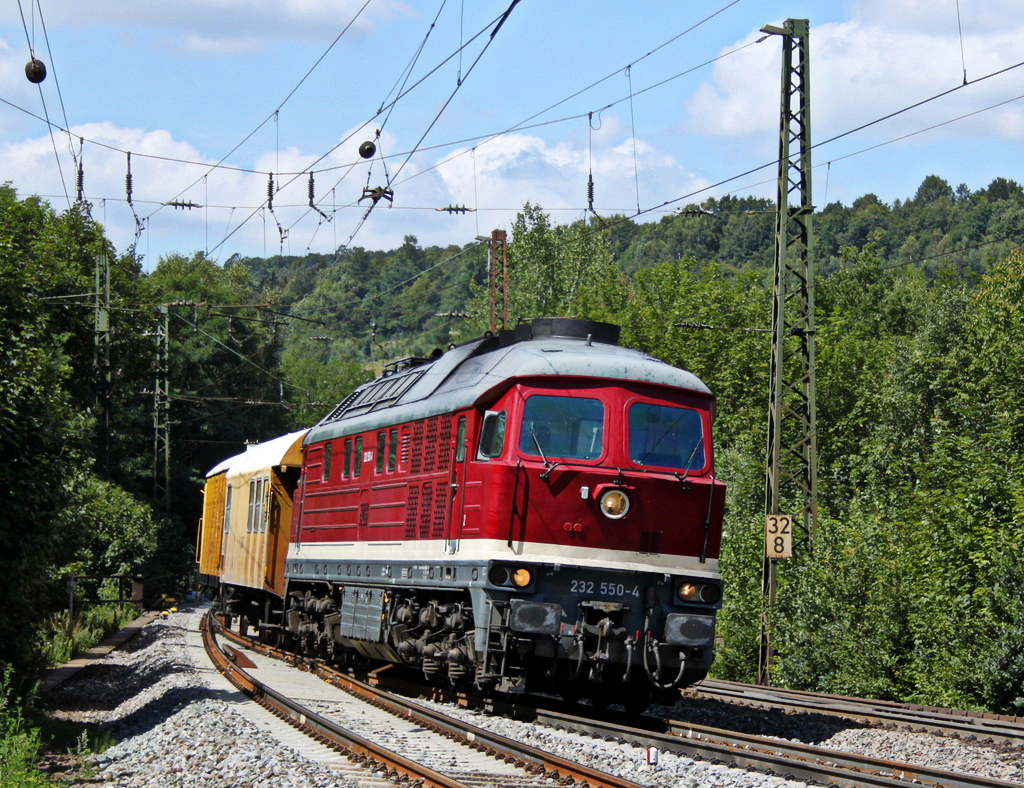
x: 28, y: 737
x: 61, y: 643
x: 21, y: 745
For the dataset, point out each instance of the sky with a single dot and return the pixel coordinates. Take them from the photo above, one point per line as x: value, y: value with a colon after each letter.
x: 664, y: 104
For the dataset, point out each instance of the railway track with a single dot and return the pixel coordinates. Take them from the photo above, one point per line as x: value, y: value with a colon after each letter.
x: 781, y: 758
x: 971, y: 726
x: 436, y: 750
x: 774, y: 757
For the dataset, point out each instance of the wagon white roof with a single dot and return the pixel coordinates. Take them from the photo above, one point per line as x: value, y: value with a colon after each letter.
x: 284, y: 450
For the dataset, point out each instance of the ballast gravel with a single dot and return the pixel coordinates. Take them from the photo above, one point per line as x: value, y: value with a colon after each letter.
x: 173, y: 729
x: 170, y: 727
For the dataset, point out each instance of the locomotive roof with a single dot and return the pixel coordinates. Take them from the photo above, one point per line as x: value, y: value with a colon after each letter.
x: 283, y: 450
x: 469, y: 372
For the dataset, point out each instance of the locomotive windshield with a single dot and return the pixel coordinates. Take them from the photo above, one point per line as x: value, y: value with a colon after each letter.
x: 564, y: 427
x: 666, y: 436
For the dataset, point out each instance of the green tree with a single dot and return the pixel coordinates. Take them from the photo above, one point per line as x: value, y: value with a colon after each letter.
x: 556, y: 271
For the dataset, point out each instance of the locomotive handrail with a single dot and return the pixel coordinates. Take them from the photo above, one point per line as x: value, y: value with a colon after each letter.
x: 682, y: 477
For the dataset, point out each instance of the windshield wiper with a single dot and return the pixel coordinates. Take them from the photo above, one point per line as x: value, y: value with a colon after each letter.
x: 536, y: 442
x: 686, y: 467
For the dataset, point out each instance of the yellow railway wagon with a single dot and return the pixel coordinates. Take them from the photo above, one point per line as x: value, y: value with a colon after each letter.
x: 247, y: 516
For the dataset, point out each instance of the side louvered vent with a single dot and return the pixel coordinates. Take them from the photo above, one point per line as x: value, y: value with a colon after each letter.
x: 411, y: 510
x: 416, y: 464
x: 430, y: 447
x: 444, y: 444
x: 440, y: 509
x: 426, y: 508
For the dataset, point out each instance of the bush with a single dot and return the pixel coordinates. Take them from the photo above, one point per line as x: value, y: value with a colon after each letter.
x: 21, y: 745
x: 60, y: 643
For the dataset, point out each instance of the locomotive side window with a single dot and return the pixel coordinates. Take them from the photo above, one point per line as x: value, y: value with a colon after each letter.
x: 569, y: 427
x: 382, y: 438
x: 327, y: 461
x: 460, y: 440
x: 492, y: 436
x: 666, y: 436
x: 358, y: 469
x: 346, y: 469
x: 393, y: 449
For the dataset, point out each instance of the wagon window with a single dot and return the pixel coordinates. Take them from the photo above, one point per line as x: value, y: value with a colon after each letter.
x: 266, y: 505
x: 382, y: 438
x: 666, y: 436
x: 393, y: 450
x: 252, y: 506
x: 346, y: 469
x: 358, y: 462
x: 566, y: 427
x: 327, y: 461
x: 227, y: 510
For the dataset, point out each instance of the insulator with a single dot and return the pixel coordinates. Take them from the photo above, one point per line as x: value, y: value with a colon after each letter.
x: 590, y: 192
x: 81, y: 181
x: 311, y: 187
x: 128, y: 178
x: 35, y: 70
x: 270, y: 187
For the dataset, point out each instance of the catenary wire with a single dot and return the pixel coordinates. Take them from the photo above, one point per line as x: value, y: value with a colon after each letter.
x: 279, y: 106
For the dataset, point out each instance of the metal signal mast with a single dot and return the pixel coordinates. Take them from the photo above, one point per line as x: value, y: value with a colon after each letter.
x: 791, y: 499
x: 101, y: 358
x: 498, y: 266
x: 162, y: 411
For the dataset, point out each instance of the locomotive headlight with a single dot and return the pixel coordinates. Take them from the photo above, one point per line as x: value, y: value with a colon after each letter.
x: 687, y: 592
x: 522, y: 577
x: 614, y: 504
x: 706, y: 593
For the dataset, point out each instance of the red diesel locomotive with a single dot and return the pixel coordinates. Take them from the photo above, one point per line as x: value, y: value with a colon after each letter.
x: 534, y: 510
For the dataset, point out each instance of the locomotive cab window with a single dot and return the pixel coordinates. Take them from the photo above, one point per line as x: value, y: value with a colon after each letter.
x: 565, y: 427
x: 492, y: 436
x: 666, y: 436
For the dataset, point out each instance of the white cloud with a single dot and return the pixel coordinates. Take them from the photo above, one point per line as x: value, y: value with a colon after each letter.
x: 222, y: 25
x: 889, y: 56
x: 223, y: 46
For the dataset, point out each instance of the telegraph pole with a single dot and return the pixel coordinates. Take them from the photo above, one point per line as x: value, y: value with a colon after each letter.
x: 791, y: 489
